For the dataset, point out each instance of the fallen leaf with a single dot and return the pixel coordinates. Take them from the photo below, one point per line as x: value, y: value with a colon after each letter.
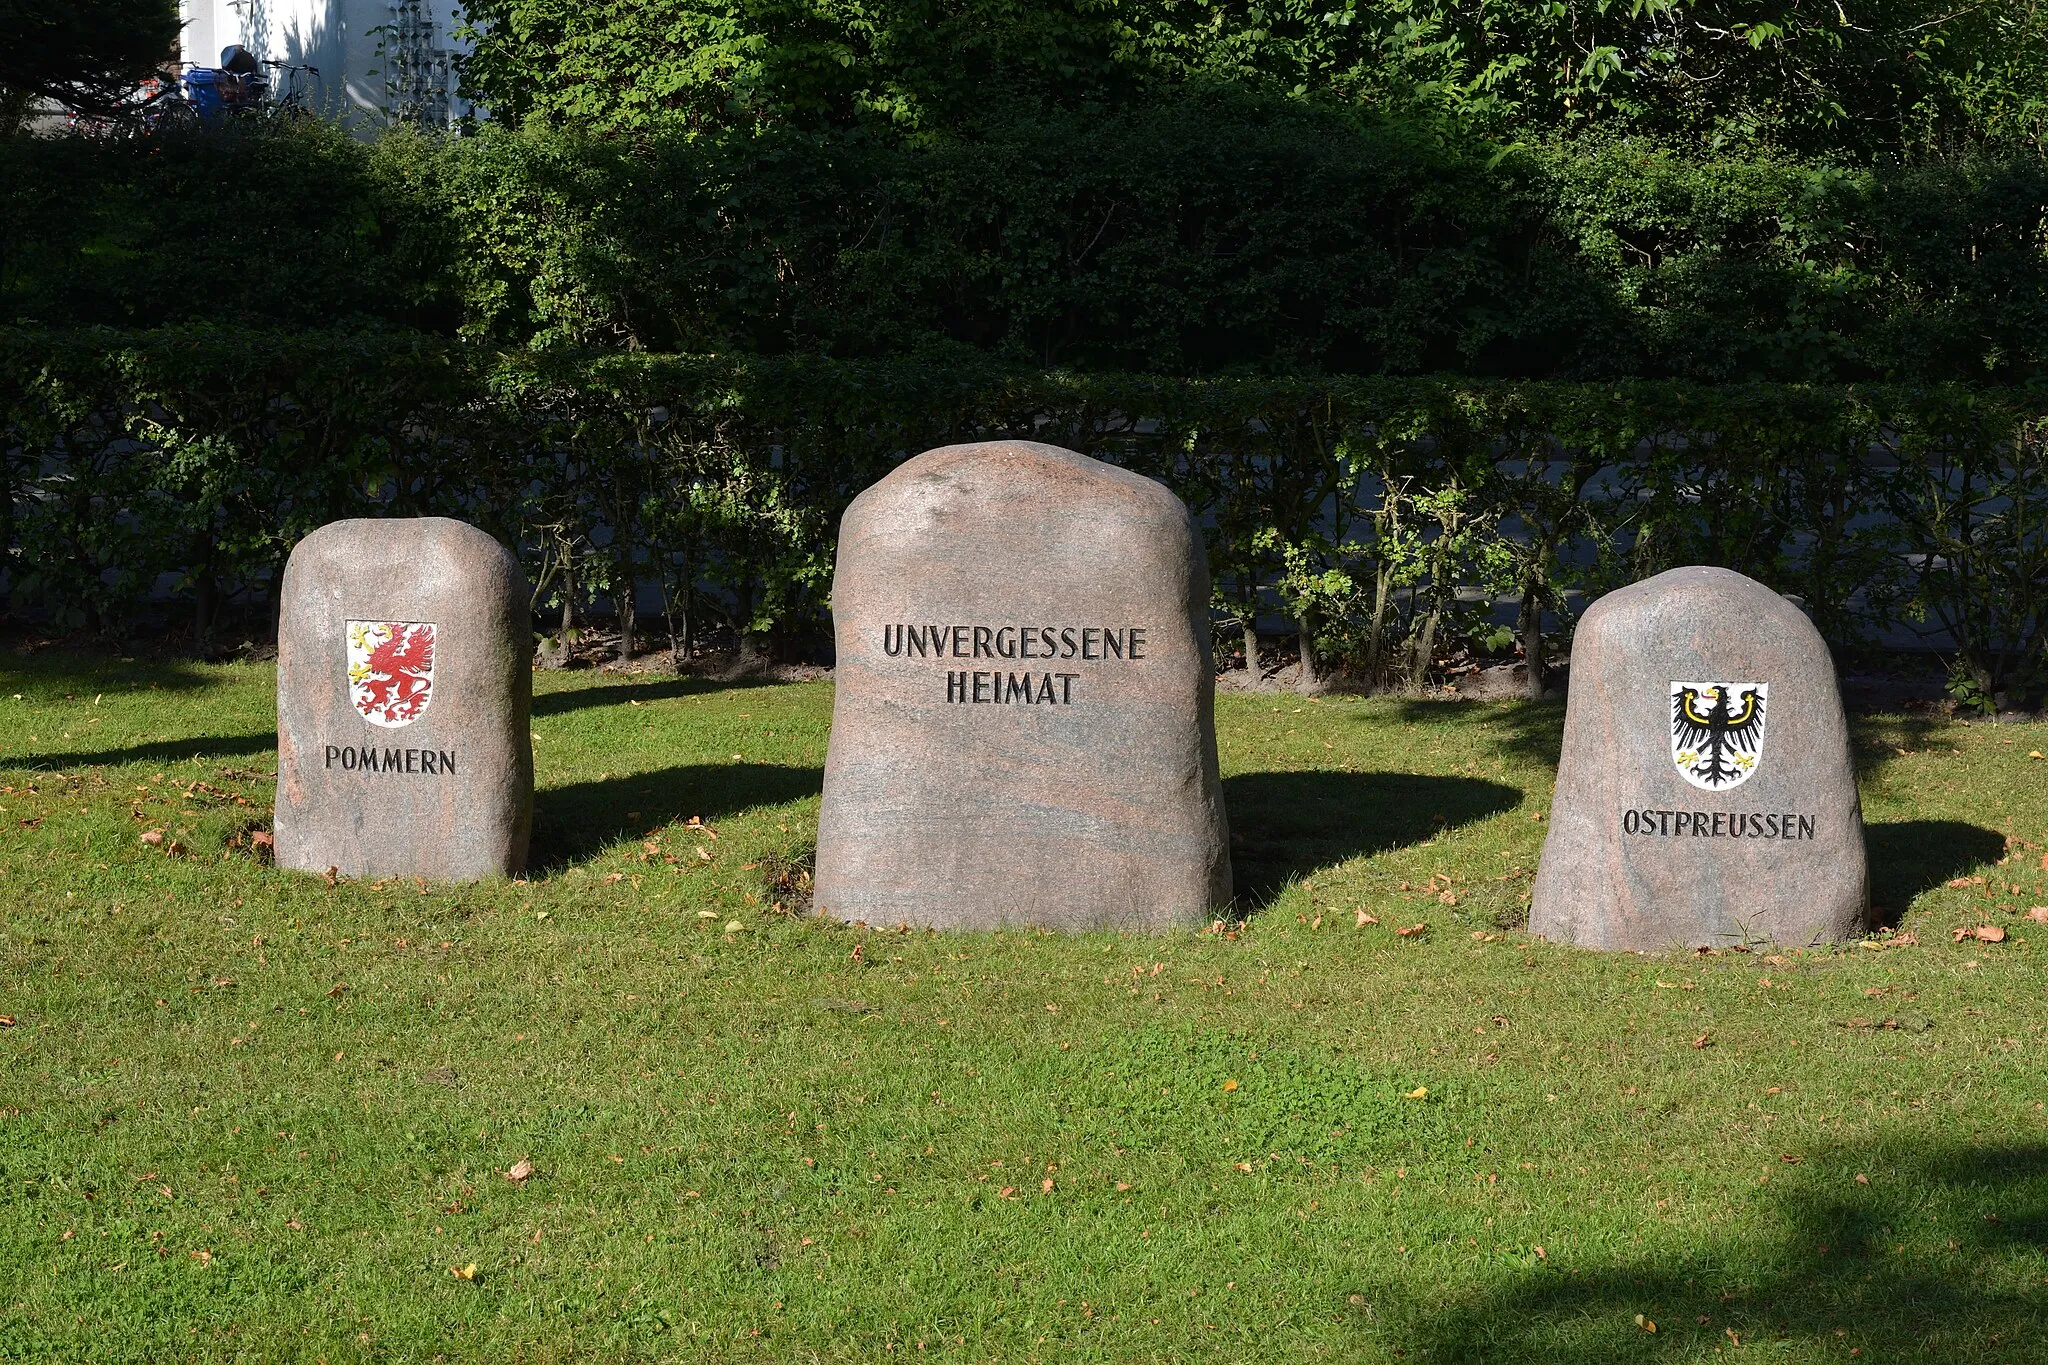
x: 2033, y: 753
x: 2039, y: 914
x: 203, y: 1256
x: 521, y: 1172
x: 1365, y: 919
x: 295, y: 1225
x: 1243, y: 1166
x: 1412, y: 930
x: 153, y: 837
x: 707, y: 914
x: 611, y: 877
x: 1419, y: 1092
x: 333, y: 875
x: 1989, y: 933
x: 6, y: 1021
x: 1862, y: 1179
x: 1122, y: 1186
x: 337, y: 990
x: 1645, y: 1323
x: 1965, y: 881
x: 1046, y: 1185
x: 262, y: 839
x: 1007, y: 1192
x: 733, y: 926
x: 1704, y: 1040
x: 463, y: 1272
x: 1229, y: 1086
x: 1789, y: 1159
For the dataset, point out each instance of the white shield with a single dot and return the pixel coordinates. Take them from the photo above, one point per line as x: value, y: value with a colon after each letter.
x: 391, y: 670
x: 1717, y: 732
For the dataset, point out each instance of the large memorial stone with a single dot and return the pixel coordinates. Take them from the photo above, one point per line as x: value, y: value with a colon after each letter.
x: 1023, y: 727
x: 403, y: 686
x: 1705, y: 795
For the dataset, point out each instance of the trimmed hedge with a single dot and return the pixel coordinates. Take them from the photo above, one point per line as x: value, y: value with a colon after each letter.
x: 1223, y: 232
x: 1368, y: 510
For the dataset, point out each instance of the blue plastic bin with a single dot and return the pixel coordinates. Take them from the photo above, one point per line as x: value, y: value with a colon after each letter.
x: 203, y: 92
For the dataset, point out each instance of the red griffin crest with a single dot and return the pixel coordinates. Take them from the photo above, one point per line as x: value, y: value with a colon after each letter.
x: 391, y: 670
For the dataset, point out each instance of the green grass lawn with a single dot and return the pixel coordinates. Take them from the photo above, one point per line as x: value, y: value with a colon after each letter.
x: 244, y: 1114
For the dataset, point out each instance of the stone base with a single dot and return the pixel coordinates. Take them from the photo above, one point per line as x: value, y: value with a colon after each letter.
x: 1638, y: 856
x: 403, y: 692
x: 1023, y: 728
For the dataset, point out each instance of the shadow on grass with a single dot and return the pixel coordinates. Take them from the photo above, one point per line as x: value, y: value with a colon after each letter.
x: 573, y: 822
x: 1908, y: 857
x: 618, y: 694
x: 56, y: 673
x: 1533, y: 730
x: 1875, y: 741
x: 166, y: 751
x: 1847, y: 1267
x: 1286, y: 825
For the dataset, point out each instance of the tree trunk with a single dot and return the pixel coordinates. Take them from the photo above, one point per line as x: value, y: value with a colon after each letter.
x: 689, y: 640
x: 205, y: 595
x: 1305, y: 631
x: 628, y: 598
x: 1424, y: 646
x: 1252, y: 666
x: 1532, y: 641
x: 1376, y: 635
x: 743, y: 620
x: 556, y: 653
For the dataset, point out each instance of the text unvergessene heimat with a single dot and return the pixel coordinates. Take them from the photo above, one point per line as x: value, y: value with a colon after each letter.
x: 1090, y: 644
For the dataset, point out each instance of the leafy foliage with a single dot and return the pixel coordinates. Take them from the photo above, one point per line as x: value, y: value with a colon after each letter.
x: 1221, y: 233
x: 86, y: 54
x: 1368, y: 508
x: 1860, y: 78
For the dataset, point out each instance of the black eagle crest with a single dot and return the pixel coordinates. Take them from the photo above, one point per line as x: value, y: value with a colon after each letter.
x: 1715, y: 734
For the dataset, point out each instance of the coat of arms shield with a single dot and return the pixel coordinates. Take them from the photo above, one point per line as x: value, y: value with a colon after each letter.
x: 1717, y: 732
x: 391, y: 670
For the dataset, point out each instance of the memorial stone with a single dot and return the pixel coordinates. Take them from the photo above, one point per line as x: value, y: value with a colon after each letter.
x: 1705, y: 795
x: 403, y: 686
x: 1023, y: 726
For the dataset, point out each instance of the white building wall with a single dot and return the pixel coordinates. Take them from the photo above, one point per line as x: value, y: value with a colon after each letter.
x: 352, y: 42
